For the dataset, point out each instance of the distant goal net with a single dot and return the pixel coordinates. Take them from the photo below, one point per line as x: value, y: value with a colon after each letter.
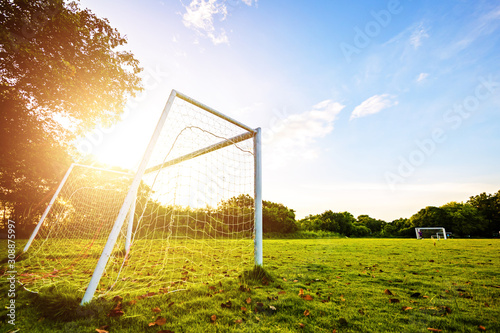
x: 192, y: 212
x: 430, y: 232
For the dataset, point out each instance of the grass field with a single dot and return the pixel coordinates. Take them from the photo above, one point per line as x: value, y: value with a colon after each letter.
x: 318, y: 285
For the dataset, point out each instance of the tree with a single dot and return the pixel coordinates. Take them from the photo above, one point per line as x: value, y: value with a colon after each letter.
x: 374, y: 225
x: 61, y: 75
x: 466, y: 220
x: 488, y: 206
x: 431, y: 217
x: 277, y: 217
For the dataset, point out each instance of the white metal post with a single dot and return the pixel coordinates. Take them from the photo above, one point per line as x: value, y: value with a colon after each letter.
x: 108, y: 248
x: 130, y: 225
x: 44, y: 215
x: 258, y: 198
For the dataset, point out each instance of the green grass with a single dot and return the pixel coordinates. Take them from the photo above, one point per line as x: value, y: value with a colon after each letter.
x: 323, y: 284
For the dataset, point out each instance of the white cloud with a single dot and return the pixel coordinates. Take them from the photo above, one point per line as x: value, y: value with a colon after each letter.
x: 417, y: 36
x: 422, y: 76
x: 201, y: 14
x: 295, y: 136
x: 249, y: 2
x: 374, y: 105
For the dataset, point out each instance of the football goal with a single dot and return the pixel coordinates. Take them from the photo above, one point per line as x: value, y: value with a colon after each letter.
x: 430, y: 232
x: 191, y: 213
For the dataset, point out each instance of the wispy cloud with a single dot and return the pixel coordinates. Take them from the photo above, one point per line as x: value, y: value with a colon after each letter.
x: 373, y: 105
x: 295, y: 136
x: 422, y: 76
x: 201, y: 14
x: 418, y: 35
x: 486, y: 24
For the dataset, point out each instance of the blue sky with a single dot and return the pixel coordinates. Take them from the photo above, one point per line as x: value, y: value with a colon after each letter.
x: 371, y: 107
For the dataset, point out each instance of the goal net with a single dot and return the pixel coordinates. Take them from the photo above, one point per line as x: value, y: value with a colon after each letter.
x: 191, y: 213
x: 74, y: 227
x: 430, y: 232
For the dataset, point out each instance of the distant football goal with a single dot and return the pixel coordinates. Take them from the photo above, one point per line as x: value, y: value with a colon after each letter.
x: 430, y: 232
x: 191, y: 213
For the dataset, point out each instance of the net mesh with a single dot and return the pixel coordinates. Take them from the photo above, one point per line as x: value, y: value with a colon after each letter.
x: 73, y: 233
x: 193, y: 218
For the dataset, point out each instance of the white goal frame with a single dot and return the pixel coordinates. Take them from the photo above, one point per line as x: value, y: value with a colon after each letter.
x: 417, y: 229
x: 129, y: 202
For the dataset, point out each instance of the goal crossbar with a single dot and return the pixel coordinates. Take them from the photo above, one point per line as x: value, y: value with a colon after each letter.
x: 212, y: 111
x: 200, y: 152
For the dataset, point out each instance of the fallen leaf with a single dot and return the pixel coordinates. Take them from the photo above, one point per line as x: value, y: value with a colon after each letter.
x: 243, y: 309
x: 213, y: 318
x: 249, y: 300
x: 301, y: 292
x: 307, y: 298
x: 388, y: 292
x: 156, y: 310
x: 101, y: 331
x: 306, y: 313
x: 165, y: 331
x: 132, y: 302
x: 361, y: 312
x: 302, y: 325
x: 159, y: 321
x: 482, y: 328
x: 393, y: 300
x: 406, y: 308
x: 282, y: 292
x: 434, y: 329
x: 117, y: 298
x: 238, y: 321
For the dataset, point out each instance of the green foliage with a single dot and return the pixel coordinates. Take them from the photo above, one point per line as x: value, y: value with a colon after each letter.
x: 277, y: 217
x: 341, y: 223
x: 488, y: 206
x: 359, y: 230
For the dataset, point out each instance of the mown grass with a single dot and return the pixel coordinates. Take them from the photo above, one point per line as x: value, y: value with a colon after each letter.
x: 317, y: 285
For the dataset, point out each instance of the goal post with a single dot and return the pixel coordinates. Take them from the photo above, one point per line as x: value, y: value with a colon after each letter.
x: 190, y: 213
x: 440, y: 230
x: 158, y: 169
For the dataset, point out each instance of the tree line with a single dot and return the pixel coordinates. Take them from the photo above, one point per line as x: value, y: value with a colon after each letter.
x: 478, y: 217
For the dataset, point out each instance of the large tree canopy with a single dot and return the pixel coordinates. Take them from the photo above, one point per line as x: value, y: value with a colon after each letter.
x: 62, y: 72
